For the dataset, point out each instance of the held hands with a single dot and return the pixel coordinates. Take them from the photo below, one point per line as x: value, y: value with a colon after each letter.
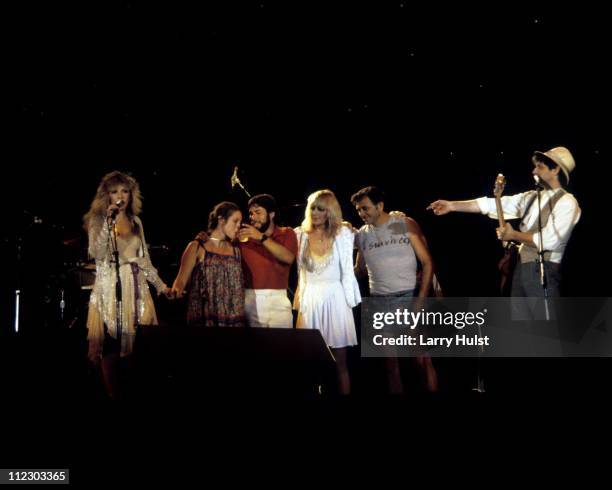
x: 176, y: 293
x: 440, y: 207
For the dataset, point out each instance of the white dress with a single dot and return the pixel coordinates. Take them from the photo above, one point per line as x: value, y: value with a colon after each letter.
x: 328, y: 290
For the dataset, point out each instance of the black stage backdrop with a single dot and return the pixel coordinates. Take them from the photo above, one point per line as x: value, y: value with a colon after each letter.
x: 426, y: 102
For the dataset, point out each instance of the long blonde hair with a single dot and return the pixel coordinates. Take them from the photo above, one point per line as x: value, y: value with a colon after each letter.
x: 101, y: 201
x: 327, y: 200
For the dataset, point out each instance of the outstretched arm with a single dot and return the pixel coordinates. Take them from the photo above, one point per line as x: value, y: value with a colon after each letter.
x: 442, y: 207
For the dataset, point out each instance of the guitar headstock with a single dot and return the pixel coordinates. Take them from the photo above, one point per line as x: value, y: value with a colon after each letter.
x: 500, y: 183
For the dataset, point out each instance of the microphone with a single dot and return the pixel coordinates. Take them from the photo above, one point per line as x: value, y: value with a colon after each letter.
x: 538, y: 182
x: 235, y: 180
x: 114, y: 212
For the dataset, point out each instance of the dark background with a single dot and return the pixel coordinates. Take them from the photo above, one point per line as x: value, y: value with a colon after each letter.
x: 427, y: 102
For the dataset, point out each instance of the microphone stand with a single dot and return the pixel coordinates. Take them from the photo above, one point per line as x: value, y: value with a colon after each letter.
x: 479, y: 388
x: 112, y: 224
x: 236, y: 181
x: 18, y: 283
x: 19, y: 256
x: 543, y: 281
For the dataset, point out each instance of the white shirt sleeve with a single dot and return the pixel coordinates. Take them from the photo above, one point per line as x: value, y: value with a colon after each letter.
x: 513, y: 206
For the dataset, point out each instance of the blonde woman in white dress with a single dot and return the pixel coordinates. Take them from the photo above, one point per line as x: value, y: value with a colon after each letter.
x: 327, y: 288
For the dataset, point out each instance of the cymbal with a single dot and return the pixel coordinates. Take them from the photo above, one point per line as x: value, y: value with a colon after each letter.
x: 82, y: 266
x: 73, y: 241
x: 159, y: 248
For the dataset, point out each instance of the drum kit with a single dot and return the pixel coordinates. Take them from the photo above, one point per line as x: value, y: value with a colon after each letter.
x: 53, y: 278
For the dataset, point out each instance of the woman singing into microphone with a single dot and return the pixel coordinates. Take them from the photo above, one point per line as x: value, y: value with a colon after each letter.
x: 114, y: 212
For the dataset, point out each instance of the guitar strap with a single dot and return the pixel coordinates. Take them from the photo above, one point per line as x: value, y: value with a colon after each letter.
x: 530, y: 254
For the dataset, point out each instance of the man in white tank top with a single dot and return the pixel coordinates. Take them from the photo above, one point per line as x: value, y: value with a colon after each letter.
x: 389, y: 247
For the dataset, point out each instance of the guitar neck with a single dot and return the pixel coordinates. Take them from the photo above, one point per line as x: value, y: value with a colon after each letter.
x: 500, y: 183
x: 500, y: 217
x: 500, y: 211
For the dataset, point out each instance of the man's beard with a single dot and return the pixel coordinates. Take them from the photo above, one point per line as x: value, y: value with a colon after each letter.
x: 265, y: 225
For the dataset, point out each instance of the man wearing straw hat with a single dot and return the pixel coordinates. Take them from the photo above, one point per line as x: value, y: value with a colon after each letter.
x: 559, y: 214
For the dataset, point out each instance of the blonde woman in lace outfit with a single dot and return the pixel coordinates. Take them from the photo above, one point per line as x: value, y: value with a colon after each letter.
x: 327, y: 288
x: 135, y: 269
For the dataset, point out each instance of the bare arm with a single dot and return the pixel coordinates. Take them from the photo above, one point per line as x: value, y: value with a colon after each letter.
x: 278, y: 251
x: 188, y: 261
x: 419, y: 245
x: 442, y: 207
x: 360, y: 267
x: 508, y: 233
